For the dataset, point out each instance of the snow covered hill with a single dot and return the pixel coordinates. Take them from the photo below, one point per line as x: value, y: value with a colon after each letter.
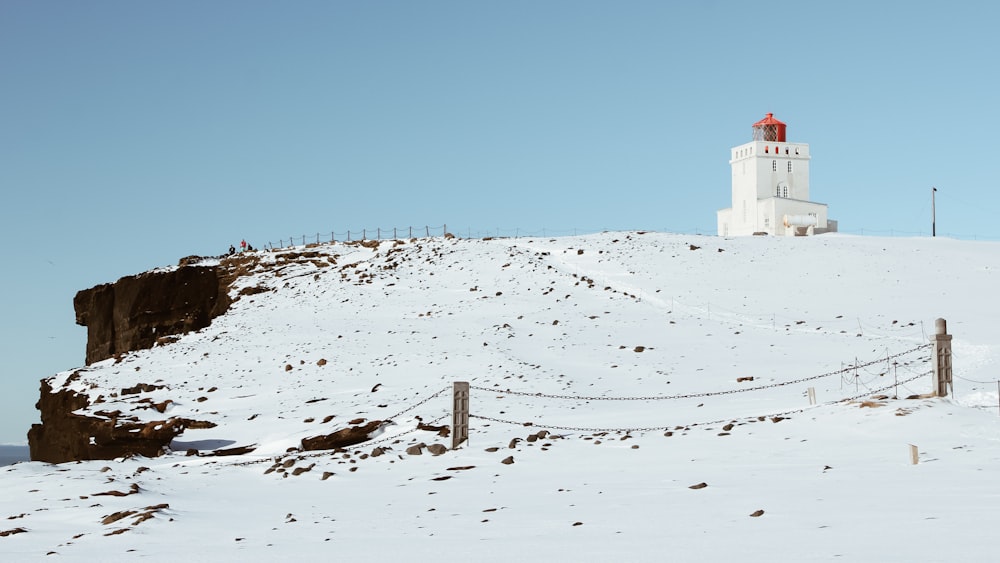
x: 636, y: 396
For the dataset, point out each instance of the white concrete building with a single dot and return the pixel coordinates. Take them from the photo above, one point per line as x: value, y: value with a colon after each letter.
x: 771, y: 187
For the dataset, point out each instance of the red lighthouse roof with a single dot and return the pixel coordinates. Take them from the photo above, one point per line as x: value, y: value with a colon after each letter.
x: 769, y: 120
x: 769, y: 129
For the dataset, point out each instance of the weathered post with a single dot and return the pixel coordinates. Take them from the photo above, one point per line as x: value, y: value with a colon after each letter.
x: 460, y: 414
x: 942, y: 358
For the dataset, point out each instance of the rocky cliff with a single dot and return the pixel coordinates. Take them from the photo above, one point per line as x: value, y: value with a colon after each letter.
x: 66, y: 436
x: 134, y: 313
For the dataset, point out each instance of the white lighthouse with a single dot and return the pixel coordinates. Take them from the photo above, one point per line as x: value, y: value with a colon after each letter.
x: 771, y: 187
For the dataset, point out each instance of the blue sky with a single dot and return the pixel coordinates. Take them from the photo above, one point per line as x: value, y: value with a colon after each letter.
x: 135, y: 133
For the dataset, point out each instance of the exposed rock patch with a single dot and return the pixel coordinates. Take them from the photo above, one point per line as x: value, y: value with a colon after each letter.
x: 64, y: 436
x: 342, y: 438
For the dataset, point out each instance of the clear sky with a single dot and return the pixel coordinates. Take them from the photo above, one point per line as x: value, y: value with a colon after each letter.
x: 135, y: 133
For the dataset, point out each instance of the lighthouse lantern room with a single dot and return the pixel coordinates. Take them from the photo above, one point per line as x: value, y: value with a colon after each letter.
x: 770, y: 187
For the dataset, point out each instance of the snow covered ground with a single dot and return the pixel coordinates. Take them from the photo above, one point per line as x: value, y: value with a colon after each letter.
x: 614, y: 414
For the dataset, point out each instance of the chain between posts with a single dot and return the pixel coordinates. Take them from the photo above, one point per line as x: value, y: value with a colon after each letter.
x: 705, y: 394
x: 881, y: 389
x: 676, y: 426
x: 395, y: 436
x: 633, y: 429
x: 408, y: 409
x: 366, y: 443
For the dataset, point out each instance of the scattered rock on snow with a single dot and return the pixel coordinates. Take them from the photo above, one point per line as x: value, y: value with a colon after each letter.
x: 342, y: 438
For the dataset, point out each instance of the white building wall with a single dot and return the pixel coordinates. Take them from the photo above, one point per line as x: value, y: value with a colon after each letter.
x: 769, y: 180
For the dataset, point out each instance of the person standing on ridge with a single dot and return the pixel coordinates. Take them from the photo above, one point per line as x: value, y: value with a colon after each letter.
x: 243, y: 245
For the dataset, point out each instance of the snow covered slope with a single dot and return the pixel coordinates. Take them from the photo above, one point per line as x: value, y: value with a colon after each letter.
x: 610, y: 373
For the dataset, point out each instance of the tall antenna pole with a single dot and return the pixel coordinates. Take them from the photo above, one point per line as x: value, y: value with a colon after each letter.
x: 933, y: 213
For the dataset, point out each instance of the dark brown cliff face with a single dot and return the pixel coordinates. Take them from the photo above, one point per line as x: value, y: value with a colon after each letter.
x: 65, y: 436
x: 132, y: 313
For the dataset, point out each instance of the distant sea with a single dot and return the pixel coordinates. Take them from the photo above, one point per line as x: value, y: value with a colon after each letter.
x: 13, y: 454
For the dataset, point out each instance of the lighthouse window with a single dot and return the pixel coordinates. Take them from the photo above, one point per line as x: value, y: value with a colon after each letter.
x: 789, y: 165
x: 774, y: 166
x: 784, y: 191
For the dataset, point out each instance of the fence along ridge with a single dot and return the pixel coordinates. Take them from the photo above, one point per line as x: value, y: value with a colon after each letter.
x: 517, y: 232
x: 684, y: 426
x: 379, y: 232
x: 704, y: 394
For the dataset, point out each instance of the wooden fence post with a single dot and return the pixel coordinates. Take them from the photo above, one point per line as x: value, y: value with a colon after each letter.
x: 812, y: 395
x: 914, y: 455
x: 460, y: 414
x: 942, y: 358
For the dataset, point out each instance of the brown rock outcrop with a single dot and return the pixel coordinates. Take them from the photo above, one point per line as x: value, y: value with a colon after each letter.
x: 135, y: 313
x: 65, y: 436
x: 342, y: 438
x: 132, y: 313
